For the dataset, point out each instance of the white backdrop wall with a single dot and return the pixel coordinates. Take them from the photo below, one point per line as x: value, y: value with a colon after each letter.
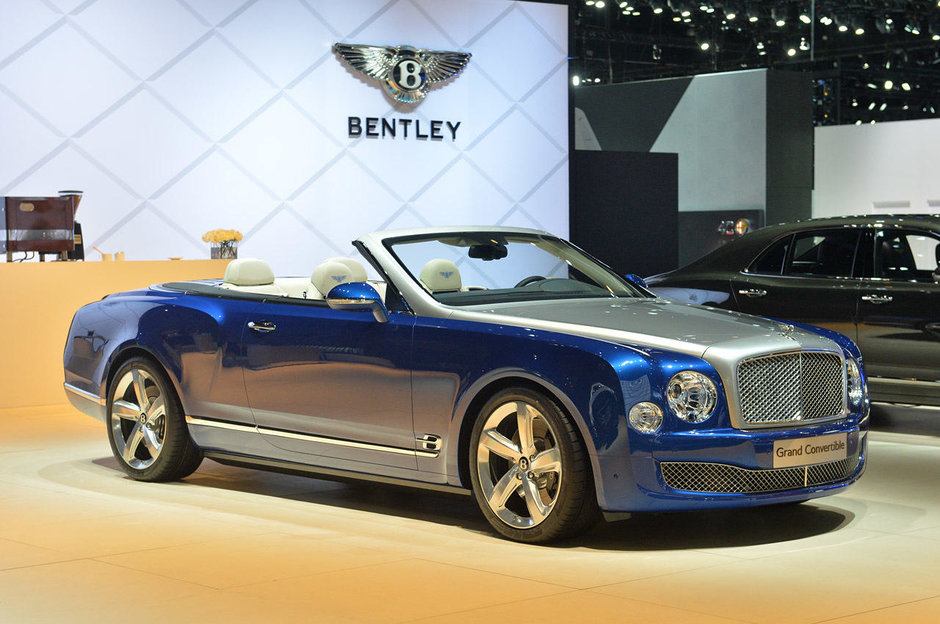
x: 180, y: 116
x: 879, y: 168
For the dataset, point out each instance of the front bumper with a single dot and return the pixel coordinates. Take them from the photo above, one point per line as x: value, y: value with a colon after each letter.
x: 725, y: 468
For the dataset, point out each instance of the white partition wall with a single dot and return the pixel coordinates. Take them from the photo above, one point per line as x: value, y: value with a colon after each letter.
x: 180, y: 116
x: 879, y: 168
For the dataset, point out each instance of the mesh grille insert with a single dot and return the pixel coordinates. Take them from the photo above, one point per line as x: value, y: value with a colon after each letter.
x: 791, y: 387
x: 728, y: 479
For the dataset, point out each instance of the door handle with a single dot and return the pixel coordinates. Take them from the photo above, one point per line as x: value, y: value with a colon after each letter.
x: 752, y: 292
x: 878, y: 299
x: 262, y: 326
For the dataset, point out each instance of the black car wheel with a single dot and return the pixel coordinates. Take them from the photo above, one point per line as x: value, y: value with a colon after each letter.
x: 529, y: 470
x: 146, y: 426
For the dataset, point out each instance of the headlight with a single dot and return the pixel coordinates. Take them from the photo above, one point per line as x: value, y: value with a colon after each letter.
x: 692, y: 396
x: 646, y: 417
x: 854, y: 385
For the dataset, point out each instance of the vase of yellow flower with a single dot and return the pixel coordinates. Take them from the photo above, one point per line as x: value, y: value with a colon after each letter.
x: 223, y: 243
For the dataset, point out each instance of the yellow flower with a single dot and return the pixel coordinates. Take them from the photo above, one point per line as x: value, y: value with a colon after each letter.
x: 221, y: 236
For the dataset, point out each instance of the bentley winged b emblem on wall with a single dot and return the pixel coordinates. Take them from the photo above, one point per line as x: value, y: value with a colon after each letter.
x: 407, y: 72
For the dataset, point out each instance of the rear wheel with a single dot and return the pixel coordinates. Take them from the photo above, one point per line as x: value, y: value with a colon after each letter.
x: 146, y: 426
x: 529, y: 471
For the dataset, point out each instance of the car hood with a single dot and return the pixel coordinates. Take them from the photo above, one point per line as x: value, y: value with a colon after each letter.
x: 656, y: 323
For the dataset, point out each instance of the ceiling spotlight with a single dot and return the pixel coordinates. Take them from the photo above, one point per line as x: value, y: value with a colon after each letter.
x: 883, y: 106
x: 760, y: 45
x: 576, y: 80
x: 658, y: 10
x: 871, y: 106
x: 936, y: 37
x: 860, y: 31
x: 872, y: 85
x: 705, y: 45
x: 600, y: 4
x: 906, y: 86
x: 854, y: 103
x: 804, y: 45
x: 825, y: 21
x: 731, y: 16
x: 781, y: 23
x: 686, y: 13
x: 843, y: 28
x: 889, y: 85
x: 597, y: 80
x: 805, y: 19
x: 791, y: 52
x: 676, y: 18
x: 589, y: 2
x: 865, y: 65
x: 752, y: 19
x: 872, y: 122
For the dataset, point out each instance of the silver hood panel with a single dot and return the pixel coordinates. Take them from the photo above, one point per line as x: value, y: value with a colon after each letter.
x: 656, y: 323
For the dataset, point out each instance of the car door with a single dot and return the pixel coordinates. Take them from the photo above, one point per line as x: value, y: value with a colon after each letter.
x: 899, y: 308
x: 331, y: 383
x: 806, y: 277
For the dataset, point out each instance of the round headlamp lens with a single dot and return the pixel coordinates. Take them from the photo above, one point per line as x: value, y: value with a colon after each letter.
x: 854, y: 386
x: 691, y: 396
x: 646, y: 417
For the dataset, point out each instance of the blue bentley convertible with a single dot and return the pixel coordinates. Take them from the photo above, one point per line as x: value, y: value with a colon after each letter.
x: 500, y: 361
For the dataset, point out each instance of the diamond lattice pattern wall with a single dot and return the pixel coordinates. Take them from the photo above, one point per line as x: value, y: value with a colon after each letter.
x: 180, y: 116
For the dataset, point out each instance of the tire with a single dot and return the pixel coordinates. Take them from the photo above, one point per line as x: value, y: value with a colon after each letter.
x: 150, y: 443
x: 543, y: 494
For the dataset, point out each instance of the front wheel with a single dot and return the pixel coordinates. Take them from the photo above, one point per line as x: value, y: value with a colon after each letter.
x: 529, y: 471
x: 146, y: 426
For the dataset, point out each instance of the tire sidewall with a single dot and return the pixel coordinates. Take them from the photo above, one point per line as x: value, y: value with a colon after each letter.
x: 558, y: 523
x: 176, y: 434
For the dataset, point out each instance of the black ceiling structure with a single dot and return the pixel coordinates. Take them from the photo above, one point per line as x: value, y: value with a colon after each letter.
x: 870, y: 60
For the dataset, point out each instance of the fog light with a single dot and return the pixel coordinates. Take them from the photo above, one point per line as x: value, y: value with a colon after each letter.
x: 646, y: 417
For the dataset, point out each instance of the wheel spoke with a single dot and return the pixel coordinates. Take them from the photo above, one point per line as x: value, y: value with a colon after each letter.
x: 497, y: 443
x: 156, y: 410
x: 533, y: 501
x: 503, y: 489
x: 151, y: 442
x: 142, y: 399
x: 547, y: 461
x: 133, y: 441
x: 126, y: 410
x: 525, y: 416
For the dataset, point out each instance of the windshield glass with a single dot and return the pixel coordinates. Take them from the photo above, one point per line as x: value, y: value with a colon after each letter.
x: 492, y: 267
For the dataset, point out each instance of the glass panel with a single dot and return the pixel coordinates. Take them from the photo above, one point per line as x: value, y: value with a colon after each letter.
x: 823, y: 254
x: 906, y: 256
x: 771, y: 261
x: 485, y: 267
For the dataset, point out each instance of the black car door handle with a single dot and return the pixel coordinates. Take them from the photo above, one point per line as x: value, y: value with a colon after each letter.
x: 752, y: 292
x: 262, y: 326
x: 879, y: 299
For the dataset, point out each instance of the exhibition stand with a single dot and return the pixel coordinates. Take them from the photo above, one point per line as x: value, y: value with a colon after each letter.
x: 39, y: 301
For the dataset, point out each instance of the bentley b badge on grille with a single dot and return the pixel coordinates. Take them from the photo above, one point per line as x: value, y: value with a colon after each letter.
x: 407, y: 72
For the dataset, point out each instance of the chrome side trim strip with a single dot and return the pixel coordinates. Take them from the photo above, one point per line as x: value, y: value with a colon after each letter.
x: 276, y: 465
x: 191, y: 420
x: 308, y: 438
x: 84, y: 394
x: 906, y: 382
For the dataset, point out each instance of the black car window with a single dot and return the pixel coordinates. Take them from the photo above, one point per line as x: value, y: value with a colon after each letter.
x: 826, y: 253
x: 906, y: 255
x: 771, y: 261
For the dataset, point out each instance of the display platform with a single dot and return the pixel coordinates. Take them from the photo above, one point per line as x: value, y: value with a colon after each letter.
x: 39, y: 301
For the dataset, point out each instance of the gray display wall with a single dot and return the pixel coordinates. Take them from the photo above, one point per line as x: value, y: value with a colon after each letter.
x: 744, y: 142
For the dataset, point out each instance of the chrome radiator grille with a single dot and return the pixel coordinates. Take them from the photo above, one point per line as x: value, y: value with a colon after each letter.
x: 728, y: 479
x: 791, y: 387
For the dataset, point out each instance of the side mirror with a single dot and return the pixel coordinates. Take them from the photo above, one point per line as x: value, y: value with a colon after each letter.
x: 636, y: 280
x: 357, y: 296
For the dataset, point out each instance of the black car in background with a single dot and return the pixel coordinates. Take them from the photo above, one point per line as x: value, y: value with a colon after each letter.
x: 873, y: 278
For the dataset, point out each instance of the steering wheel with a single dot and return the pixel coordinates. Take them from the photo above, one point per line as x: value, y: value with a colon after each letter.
x: 529, y: 280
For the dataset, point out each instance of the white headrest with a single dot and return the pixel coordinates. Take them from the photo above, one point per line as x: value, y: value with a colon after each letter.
x: 330, y: 274
x: 440, y: 275
x: 248, y: 272
x: 356, y: 271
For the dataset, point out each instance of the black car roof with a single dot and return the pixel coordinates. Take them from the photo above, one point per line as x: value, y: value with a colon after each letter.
x: 743, y: 250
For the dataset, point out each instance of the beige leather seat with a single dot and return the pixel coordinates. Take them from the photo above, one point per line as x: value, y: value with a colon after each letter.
x: 328, y: 275
x: 440, y: 275
x: 251, y: 275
